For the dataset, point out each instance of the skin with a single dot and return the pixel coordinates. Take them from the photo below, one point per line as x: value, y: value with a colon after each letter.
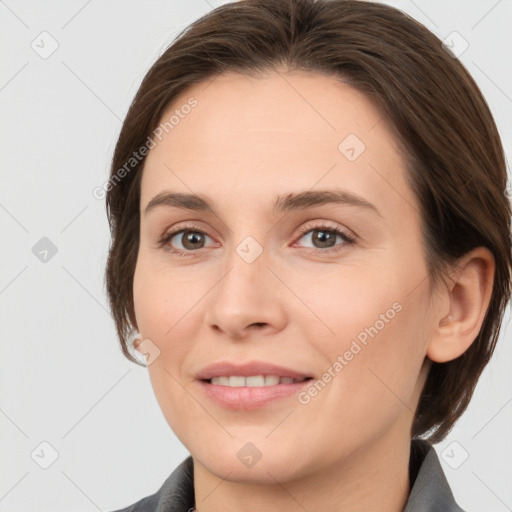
x: 247, y: 141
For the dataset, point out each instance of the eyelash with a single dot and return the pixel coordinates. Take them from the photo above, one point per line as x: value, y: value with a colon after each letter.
x: 166, y: 237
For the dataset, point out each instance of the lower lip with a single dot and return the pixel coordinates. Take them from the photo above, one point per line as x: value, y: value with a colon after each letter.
x: 246, y: 397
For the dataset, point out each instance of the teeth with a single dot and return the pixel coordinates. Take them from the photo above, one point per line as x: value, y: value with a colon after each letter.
x: 253, y: 381
x: 235, y: 382
x: 224, y: 381
x: 271, y: 380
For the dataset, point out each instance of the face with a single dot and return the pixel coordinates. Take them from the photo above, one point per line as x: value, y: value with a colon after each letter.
x: 309, y: 258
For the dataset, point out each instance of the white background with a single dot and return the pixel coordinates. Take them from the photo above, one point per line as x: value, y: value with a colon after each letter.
x: 63, y: 378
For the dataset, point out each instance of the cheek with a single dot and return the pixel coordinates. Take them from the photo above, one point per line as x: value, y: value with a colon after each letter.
x: 164, y: 301
x: 165, y: 315
x: 375, y: 345
x: 346, y: 303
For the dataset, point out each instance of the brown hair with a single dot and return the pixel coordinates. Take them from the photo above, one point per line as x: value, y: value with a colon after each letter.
x: 456, y: 165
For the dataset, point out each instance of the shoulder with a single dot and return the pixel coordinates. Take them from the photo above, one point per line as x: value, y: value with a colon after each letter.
x: 175, y: 494
x: 430, y: 490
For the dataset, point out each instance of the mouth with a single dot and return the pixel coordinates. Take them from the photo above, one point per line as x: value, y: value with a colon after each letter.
x: 253, y: 381
x: 243, y: 393
x: 254, y: 373
x: 250, y: 386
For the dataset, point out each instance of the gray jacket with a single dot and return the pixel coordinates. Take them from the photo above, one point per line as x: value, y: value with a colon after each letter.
x: 430, y: 490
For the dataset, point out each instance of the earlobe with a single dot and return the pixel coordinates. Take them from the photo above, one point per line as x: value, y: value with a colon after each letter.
x: 467, y: 299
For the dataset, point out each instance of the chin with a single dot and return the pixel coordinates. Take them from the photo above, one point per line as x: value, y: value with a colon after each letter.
x: 265, y: 471
x: 260, y: 462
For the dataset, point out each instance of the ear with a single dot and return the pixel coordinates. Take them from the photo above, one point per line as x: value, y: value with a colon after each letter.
x: 463, y: 306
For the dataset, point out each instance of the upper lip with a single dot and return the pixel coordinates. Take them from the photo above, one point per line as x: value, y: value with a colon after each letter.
x: 226, y: 368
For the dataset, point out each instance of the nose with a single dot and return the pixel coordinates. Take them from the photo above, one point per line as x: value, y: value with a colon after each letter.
x: 248, y: 298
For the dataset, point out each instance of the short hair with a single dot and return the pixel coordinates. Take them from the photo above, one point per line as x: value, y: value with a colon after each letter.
x: 450, y: 143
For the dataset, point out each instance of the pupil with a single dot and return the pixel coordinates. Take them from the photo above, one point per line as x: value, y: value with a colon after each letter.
x: 191, y: 237
x: 324, y: 238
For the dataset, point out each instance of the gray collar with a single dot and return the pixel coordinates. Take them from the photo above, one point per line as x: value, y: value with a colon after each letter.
x: 430, y: 491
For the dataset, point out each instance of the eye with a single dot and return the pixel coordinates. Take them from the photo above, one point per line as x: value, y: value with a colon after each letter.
x: 324, y: 237
x: 191, y: 239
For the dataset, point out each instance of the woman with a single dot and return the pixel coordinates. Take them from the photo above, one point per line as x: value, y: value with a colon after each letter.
x: 311, y: 253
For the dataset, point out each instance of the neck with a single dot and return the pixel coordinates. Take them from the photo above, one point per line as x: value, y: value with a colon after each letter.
x: 375, y: 477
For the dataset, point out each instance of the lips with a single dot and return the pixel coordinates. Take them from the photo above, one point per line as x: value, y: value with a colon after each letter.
x: 256, y: 368
x: 250, y: 386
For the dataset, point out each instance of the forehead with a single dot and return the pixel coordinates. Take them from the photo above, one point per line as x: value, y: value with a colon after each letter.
x: 273, y: 134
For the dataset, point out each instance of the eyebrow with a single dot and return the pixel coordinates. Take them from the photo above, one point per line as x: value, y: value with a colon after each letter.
x: 282, y: 204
